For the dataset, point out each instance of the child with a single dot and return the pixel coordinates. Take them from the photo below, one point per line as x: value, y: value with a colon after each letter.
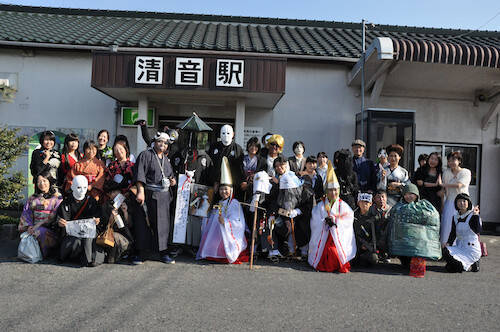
x: 465, y: 253
x: 364, y: 229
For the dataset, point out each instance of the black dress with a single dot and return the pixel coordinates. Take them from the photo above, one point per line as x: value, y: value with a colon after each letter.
x: 430, y: 193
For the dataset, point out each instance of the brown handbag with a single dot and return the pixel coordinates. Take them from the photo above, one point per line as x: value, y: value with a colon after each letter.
x: 107, y: 239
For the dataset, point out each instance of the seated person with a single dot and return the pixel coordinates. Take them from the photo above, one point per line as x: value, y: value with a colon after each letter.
x: 333, y: 243
x: 122, y: 223
x: 79, y: 205
x: 381, y: 212
x: 39, y: 212
x: 414, y: 231
x: 364, y: 229
x: 223, y: 233
x: 462, y: 252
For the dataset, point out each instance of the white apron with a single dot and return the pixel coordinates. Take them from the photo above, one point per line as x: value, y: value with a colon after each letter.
x: 467, y: 249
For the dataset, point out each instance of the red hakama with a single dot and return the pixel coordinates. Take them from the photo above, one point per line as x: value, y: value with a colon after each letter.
x: 329, y: 261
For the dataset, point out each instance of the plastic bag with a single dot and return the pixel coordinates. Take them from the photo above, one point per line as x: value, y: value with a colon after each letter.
x: 29, y: 249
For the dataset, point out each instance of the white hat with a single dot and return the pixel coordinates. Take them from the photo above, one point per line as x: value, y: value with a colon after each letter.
x: 289, y: 180
x: 162, y: 137
x: 365, y: 197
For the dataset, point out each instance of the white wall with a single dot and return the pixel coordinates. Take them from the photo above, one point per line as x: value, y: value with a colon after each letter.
x: 317, y: 108
x: 54, y: 92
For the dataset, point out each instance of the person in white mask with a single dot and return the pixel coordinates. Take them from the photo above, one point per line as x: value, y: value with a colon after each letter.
x: 79, y: 205
x: 226, y: 147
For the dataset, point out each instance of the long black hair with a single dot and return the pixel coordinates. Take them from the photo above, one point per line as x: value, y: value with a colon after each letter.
x: 52, y: 181
x: 439, y: 167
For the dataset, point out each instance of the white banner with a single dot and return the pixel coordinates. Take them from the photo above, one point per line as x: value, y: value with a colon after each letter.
x: 82, y: 228
x: 181, y: 209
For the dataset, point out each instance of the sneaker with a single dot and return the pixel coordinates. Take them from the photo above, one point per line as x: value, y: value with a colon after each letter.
x: 475, y: 267
x: 167, y: 259
x: 136, y: 260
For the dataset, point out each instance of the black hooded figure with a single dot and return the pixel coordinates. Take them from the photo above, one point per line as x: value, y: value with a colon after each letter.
x: 348, y: 180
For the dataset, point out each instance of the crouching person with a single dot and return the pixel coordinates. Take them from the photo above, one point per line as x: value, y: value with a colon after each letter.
x: 115, y: 213
x: 78, y: 243
x: 223, y: 233
x: 364, y: 229
x: 462, y: 252
x: 332, y: 243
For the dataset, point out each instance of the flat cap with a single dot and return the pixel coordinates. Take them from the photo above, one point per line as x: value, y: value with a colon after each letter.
x: 358, y: 142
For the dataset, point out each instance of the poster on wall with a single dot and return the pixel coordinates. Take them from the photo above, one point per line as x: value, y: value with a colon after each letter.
x: 250, y: 132
x: 131, y: 114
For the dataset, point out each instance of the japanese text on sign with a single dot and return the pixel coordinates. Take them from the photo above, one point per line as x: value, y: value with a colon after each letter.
x: 188, y: 71
x: 230, y: 73
x: 148, y: 70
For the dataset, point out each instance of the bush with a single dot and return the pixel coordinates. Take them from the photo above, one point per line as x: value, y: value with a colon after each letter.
x: 8, y: 220
x: 11, y: 147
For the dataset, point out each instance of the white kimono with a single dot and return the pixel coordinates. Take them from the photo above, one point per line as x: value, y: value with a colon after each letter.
x: 342, y: 235
x: 223, y: 241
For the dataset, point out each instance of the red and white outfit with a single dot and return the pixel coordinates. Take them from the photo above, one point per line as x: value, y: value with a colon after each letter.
x: 224, y: 243
x: 331, y: 248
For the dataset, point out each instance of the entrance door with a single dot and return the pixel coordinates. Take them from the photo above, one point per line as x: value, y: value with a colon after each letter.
x: 471, y: 158
x: 204, y: 139
x: 383, y: 127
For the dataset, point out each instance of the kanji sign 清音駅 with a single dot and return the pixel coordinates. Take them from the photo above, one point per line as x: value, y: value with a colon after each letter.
x: 149, y: 70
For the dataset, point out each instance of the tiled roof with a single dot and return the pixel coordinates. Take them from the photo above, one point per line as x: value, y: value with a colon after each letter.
x: 152, y: 30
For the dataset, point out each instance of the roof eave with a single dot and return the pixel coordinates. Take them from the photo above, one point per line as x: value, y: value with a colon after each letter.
x: 114, y: 48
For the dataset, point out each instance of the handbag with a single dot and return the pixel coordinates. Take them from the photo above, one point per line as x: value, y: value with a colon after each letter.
x: 29, y: 249
x: 484, y: 251
x: 107, y: 239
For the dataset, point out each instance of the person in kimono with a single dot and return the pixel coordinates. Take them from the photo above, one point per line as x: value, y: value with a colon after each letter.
x: 332, y: 243
x: 153, y: 177
x: 223, y: 236
x: 90, y: 167
x: 39, y: 213
x: 462, y: 252
x: 297, y: 162
x: 394, y: 177
x: 79, y: 205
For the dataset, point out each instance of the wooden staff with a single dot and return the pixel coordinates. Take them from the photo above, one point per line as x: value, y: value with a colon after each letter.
x: 293, y: 237
x: 254, y: 227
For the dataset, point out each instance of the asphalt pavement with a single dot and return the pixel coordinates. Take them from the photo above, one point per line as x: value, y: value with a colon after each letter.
x: 194, y: 296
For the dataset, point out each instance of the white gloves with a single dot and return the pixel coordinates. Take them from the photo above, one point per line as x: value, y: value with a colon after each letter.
x: 295, y: 212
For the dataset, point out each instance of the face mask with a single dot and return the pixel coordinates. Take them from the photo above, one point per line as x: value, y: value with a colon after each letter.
x: 79, y: 187
x: 299, y: 150
x: 226, y: 135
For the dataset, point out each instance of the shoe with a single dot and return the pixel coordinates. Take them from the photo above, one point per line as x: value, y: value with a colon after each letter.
x: 167, y: 259
x: 136, y: 260
x: 475, y: 267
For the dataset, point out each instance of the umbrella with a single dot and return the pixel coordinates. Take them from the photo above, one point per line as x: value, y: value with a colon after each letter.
x: 194, y: 123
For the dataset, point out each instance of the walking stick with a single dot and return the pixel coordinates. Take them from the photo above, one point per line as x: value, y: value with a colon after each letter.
x: 293, y: 237
x: 256, y: 204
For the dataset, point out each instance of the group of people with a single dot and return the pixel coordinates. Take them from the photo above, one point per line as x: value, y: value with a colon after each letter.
x: 333, y: 214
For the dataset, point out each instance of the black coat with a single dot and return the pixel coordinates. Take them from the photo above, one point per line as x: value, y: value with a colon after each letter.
x: 234, y: 154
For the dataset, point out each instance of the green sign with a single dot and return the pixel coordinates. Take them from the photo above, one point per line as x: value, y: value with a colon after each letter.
x: 131, y: 114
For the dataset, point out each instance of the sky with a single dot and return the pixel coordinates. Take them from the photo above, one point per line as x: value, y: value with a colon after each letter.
x: 456, y: 14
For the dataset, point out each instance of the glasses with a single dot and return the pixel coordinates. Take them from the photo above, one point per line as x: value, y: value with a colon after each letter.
x: 274, y: 144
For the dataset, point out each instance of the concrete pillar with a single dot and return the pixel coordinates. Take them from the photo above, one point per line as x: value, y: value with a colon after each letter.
x: 239, y: 123
x: 143, y: 114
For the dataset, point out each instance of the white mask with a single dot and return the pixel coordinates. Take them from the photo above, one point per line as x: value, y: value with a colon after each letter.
x: 226, y: 134
x: 299, y: 150
x: 79, y: 187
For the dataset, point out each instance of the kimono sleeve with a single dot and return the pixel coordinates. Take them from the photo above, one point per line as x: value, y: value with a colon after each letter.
x: 27, y: 216
x: 140, y: 168
x: 99, y: 180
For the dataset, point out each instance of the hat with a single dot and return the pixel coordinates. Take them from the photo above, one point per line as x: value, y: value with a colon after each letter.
x: 289, y: 181
x: 358, y: 142
x: 366, y: 197
x: 331, y: 178
x: 225, y: 173
x: 411, y: 188
x: 161, y: 136
x: 277, y: 139
x: 382, y: 153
